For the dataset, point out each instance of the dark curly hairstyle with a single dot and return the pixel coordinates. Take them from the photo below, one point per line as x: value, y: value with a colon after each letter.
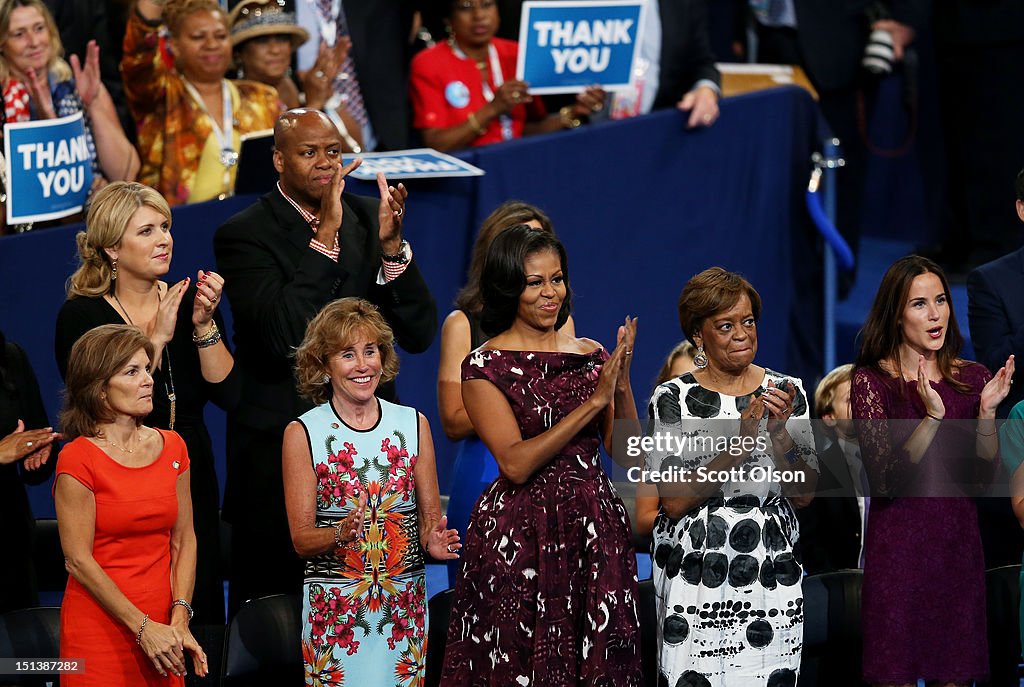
x: 503, y: 280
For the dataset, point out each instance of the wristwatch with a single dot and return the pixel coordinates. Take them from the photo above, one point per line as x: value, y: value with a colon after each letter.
x: 402, y: 257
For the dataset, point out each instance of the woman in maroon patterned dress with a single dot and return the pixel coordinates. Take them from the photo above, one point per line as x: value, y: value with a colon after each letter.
x: 928, y: 437
x: 547, y: 593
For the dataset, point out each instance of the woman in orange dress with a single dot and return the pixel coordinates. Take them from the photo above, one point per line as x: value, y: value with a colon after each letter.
x: 124, y: 511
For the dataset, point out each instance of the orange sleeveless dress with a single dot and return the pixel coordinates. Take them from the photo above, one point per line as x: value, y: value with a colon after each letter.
x: 136, y: 508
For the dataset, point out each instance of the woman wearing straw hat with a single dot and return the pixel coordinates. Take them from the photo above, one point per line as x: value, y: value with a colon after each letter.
x: 264, y: 38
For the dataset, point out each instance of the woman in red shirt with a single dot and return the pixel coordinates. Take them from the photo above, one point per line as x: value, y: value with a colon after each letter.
x: 464, y: 92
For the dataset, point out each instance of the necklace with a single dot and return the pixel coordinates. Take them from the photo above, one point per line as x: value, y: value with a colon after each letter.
x: 169, y: 382
x: 125, y: 447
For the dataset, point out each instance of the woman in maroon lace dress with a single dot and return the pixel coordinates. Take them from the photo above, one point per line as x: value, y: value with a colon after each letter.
x: 924, y: 578
x: 547, y: 593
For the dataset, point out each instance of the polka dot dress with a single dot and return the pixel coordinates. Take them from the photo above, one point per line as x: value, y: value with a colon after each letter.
x: 727, y: 578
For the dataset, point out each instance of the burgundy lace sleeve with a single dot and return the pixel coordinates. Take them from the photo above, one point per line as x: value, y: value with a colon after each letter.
x: 886, y: 461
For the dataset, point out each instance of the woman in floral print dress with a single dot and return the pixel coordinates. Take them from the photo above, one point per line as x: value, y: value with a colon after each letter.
x: 363, y: 505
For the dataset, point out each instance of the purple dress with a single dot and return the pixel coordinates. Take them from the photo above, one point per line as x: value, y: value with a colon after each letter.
x: 924, y: 577
x: 547, y: 592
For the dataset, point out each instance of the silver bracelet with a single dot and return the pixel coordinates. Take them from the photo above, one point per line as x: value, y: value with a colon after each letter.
x: 184, y: 604
x: 210, y: 338
x: 138, y: 637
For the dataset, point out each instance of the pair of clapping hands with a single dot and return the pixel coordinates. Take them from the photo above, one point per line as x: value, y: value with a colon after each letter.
x: 442, y: 543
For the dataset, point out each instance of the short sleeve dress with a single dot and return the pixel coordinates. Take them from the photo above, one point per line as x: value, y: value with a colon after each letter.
x: 547, y: 592
x: 727, y: 574
x: 136, y: 508
x: 364, y: 608
x: 918, y: 545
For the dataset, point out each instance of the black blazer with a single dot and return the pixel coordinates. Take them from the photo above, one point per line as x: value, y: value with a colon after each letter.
x: 830, y: 525
x: 832, y: 35
x: 995, y: 312
x: 276, y: 284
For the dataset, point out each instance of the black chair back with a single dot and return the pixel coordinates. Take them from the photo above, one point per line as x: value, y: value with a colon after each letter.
x: 51, y: 575
x: 29, y: 633
x: 1002, y: 587
x: 263, y: 645
x: 439, y: 610
x: 833, y: 637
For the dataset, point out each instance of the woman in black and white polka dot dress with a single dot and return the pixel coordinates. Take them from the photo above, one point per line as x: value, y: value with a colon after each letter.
x: 727, y: 578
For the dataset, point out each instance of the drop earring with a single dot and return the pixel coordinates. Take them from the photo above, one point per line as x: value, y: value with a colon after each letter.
x: 700, y: 361
x: 113, y: 271
x: 327, y: 379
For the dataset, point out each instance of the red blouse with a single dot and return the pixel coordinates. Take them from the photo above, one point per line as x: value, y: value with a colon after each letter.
x: 446, y: 88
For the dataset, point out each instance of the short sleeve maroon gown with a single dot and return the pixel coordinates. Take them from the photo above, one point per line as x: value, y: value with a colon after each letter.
x: 924, y: 576
x: 547, y: 591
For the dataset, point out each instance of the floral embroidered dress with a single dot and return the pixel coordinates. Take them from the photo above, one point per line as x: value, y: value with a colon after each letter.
x: 364, y: 607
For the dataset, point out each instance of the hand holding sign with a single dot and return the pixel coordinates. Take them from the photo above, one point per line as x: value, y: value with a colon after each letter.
x: 510, y: 94
x: 589, y: 101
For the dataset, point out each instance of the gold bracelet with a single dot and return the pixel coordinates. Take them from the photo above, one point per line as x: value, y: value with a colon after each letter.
x: 475, y: 124
x: 568, y: 121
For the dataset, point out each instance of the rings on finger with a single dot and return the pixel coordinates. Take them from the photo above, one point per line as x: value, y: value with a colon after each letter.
x: 516, y: 95
x: 596, y: 107
x: 319, y: 73
x: 399, y: 212
x: 28, y: 444
x: 707, y: 119
x: 450, y: 549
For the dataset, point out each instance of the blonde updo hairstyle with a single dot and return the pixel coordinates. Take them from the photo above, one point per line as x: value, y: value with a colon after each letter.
x: 334, y: 329
x: 175, y: 12
x: 96, y: 357
x: 56, y: 65
x: 109, y: 213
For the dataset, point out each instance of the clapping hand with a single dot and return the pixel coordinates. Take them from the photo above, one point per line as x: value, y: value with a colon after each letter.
x: 87, y: 79
x: 38, y: 85
x: 331, y: 212
x: 209, y: 287
x: 779, y: 402
x: 442, y: 543
x: 996, y: 390
x: 933, y: 404
x: 33, y: 443
x: 626, y: 339
x: 317, y: 82
x: 167, y: 313
x: 352, y: 524
x: 390, y: 214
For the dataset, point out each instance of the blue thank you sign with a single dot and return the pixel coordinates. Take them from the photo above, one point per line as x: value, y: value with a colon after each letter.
x: 48, y: 167
x: 569, y: 45
x: 421, y: 163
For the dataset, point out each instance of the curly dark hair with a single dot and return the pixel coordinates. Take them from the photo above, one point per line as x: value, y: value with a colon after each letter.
x: 503, y: 280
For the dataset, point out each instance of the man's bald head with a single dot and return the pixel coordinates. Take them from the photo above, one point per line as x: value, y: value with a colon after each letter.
x: 299, y: 122
x: 307, y: 151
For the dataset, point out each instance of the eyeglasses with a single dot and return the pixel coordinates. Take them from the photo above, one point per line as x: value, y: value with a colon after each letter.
x: 469, y: 6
